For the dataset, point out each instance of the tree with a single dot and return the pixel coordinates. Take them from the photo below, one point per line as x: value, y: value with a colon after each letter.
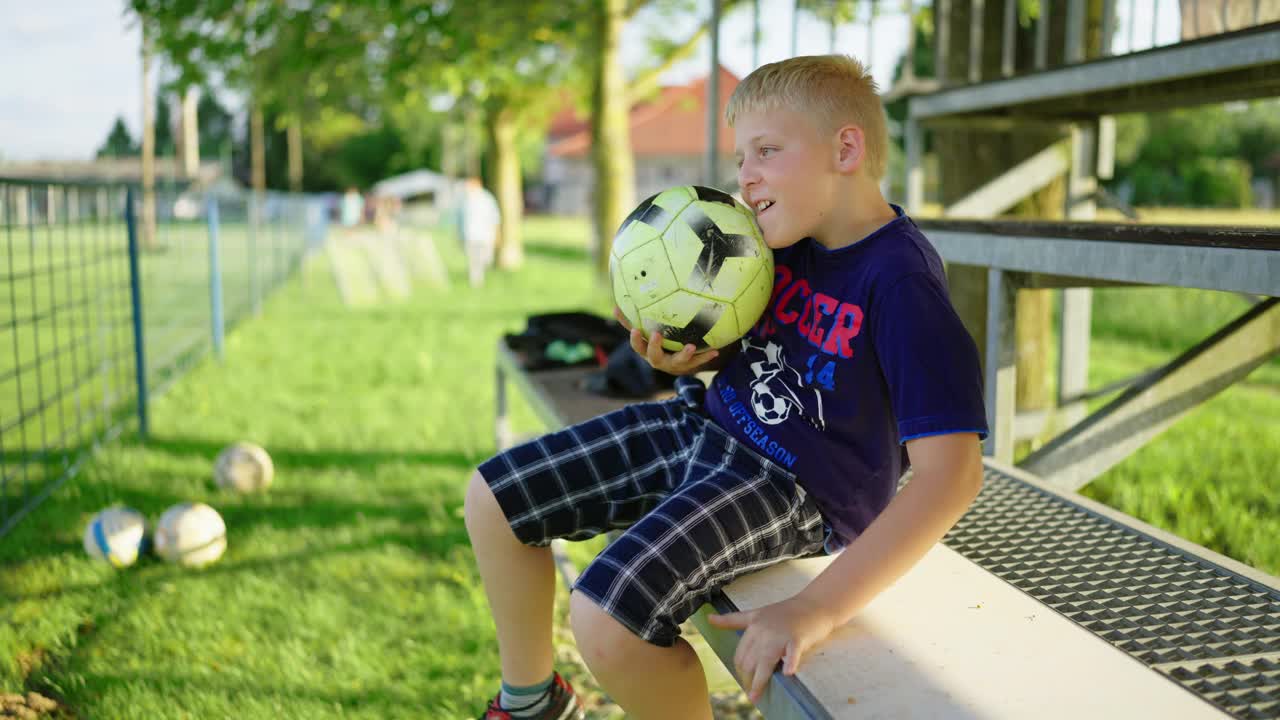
x: 216, y: 135
x: 611, y: 153
x: 502, y: 63
x: 611, y: 100
x: 165, y: 145
x: 119, y: 142
x: 1203, y: 156
x: 288, y: 57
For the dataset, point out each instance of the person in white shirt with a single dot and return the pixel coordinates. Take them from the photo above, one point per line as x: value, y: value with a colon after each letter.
x: 479, y: 223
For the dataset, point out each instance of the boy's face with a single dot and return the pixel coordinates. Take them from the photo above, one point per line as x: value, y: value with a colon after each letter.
x: 785, y: 170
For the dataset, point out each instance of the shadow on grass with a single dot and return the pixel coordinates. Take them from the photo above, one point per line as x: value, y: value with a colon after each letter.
x: 126, y: 589
x: 556, y: 252
x: 60, y: 524
x: 290, y: 458
x: 387, y: 698
x: 151, y: 571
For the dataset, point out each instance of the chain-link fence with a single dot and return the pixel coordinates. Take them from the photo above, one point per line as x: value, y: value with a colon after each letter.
x: 99, y: 309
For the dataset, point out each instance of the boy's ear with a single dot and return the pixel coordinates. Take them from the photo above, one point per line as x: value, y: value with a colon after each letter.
x: 850, y: 148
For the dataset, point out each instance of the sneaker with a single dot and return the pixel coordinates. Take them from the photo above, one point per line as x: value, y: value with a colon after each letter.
x: 564, y: 704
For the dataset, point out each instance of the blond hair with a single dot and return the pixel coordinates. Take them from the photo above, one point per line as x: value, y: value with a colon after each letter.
x: 835, y: 89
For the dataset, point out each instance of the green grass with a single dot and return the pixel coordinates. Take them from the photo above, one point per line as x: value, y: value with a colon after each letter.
x: 1214, y: 476
x: 348, y: 590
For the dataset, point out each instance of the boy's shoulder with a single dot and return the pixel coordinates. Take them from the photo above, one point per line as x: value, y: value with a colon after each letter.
x: 903, y: 249
x: 897, y: 249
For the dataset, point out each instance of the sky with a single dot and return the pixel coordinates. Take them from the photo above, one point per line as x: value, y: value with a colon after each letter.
x: 68, y: 68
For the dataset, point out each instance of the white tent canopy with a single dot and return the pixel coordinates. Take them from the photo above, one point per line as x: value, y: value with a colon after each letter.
x: 415, y: 184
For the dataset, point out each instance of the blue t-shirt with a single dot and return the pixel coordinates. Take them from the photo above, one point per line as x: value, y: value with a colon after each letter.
x: 858, y: 351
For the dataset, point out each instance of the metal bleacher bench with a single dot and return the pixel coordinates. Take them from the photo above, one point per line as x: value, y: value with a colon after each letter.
x: 1036, y: 605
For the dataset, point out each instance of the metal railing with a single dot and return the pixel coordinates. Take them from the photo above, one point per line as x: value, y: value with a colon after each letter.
x: 100, y: 311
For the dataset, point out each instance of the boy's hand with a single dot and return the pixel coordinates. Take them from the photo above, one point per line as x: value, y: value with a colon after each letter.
x: 683, y: 362
x: 782, y: 631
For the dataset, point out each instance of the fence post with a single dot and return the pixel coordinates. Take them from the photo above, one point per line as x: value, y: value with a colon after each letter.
x: 135, y: 293
x: 215, y: 279
x: 255, y: 294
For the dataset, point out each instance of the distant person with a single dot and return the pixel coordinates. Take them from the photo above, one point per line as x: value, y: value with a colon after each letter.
x: 386, y: 213
x: 479, y: 219
x: 352, y: 207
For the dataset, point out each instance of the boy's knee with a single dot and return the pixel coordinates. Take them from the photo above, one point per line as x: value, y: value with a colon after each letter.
x: 603, y: 641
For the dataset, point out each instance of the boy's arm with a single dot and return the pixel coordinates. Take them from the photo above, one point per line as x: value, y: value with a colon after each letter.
x: 946, y: 478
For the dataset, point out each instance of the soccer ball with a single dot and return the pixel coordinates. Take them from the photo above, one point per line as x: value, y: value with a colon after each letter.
x: 769, y: 408
x: 116, y: 535
x: 243, y: 467
x: 690, y: 262
x: 191, y: 534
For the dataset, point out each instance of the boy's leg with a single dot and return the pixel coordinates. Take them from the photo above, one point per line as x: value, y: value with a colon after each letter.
x: 646, y: 680
x: 605, y: 473
x: 520, y: 583
x: 733, y: 512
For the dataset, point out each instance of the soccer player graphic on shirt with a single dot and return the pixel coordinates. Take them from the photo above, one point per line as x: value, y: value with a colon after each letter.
x: 779, y: 389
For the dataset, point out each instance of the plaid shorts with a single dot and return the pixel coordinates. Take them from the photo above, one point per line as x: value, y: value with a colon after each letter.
x: 697, y: 508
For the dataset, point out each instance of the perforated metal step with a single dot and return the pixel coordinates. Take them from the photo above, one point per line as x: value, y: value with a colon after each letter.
x: 1207, y: 627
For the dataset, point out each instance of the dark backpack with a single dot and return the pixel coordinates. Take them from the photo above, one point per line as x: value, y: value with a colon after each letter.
x: 566, y: 339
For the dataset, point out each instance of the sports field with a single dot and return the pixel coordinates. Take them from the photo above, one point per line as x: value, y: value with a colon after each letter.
x: 348, y: 590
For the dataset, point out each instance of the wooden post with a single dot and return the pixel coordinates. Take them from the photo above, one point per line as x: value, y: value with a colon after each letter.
x: 257, y: 151
x: 293, y: 136
x: 189, y: 136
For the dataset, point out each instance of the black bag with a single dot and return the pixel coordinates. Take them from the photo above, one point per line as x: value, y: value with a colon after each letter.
x: 566, y: 339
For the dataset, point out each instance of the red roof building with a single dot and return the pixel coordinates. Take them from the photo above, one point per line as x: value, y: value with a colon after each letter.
x: 668, y: 137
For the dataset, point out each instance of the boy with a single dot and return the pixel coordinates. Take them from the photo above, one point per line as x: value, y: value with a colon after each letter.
x: 798, y: 447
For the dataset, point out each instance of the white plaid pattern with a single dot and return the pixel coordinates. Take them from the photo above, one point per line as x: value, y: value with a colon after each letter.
x: 699, y: 509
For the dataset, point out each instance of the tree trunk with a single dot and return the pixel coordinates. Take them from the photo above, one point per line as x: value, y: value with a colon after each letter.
x: 610, y: 133
x: 508, y: 186
x: 257, y: 150
x: 293, y: 136
x: 189, y: 137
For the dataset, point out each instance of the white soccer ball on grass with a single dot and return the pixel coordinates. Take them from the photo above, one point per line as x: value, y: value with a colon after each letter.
x: 116, y: 535
x: 243, y: 467
x: 191, y: 534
